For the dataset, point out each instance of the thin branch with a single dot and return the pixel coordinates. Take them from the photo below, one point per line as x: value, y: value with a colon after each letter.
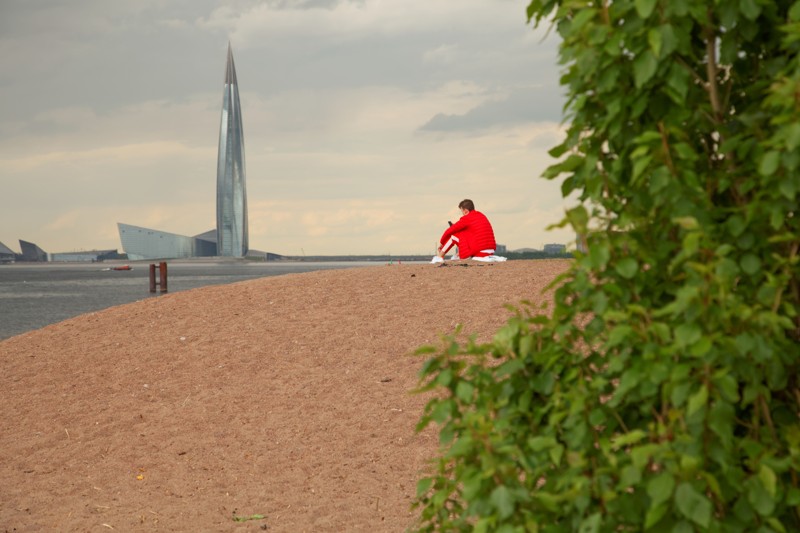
x: 711, y: 73
x: 604, y: 11
x: 691, y: 71
x: 665, y: 145
x: 768, y: 417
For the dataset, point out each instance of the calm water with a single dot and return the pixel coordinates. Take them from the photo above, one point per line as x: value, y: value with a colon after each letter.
x: 35, y: 295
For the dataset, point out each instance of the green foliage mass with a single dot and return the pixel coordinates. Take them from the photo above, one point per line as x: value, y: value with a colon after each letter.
x: 660, y: 393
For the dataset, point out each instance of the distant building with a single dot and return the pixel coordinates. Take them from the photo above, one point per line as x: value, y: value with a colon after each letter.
x: 89, y: 256
x: 31, y: 252
x: 143, y: 243
x: 232, y: 231
x: 555, y: 249
x: 7, y: 255
x: 230, y: 238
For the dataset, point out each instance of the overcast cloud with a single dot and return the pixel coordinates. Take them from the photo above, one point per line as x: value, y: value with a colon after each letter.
x: 365, y: 121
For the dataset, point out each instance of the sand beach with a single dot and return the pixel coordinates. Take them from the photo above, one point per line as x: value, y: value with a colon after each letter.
x: 282, y: 404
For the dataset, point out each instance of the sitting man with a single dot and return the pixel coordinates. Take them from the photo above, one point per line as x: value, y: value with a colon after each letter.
x: 473, y: 234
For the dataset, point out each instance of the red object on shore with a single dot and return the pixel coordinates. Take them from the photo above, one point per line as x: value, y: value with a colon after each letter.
x: 123, y: 267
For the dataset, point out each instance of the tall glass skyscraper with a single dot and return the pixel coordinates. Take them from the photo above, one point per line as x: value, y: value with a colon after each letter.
x: 231, y: 232
x: 232, y: 238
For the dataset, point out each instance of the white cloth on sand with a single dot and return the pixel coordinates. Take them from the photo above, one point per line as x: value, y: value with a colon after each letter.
x: 488, y: 259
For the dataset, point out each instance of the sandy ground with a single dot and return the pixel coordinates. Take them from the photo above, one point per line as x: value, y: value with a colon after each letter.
x: 288, y: 397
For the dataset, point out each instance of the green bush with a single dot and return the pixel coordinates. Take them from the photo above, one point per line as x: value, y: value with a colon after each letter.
x: 660, y: 392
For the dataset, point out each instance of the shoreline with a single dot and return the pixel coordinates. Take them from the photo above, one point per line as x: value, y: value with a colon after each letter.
x: 32, y: 297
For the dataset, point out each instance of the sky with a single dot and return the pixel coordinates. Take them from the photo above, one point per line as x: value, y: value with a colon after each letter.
x: 366, y: 122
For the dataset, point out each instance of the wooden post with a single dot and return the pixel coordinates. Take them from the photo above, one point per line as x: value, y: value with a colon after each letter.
x: 162, y: 277
x: 162, y: 270
x: 152, y: 278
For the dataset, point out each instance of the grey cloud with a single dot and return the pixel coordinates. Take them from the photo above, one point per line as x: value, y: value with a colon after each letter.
x: 532, y: 104
x: 105, y: 55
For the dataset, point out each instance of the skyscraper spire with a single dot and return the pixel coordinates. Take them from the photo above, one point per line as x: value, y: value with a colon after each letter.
x: 232, y: 238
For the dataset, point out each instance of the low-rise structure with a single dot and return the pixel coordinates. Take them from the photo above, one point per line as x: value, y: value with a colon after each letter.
x: 7, y: 255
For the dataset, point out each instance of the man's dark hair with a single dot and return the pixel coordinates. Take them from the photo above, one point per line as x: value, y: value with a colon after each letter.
x: 467, y: 204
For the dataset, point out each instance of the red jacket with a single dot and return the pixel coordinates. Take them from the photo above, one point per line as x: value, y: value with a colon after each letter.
x: 474, y: 234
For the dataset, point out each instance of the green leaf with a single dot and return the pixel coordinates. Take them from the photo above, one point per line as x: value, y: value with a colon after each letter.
x: 445, y: 377
x: 759, y: 497
x: 599, y: 255
x: 679, y: 81
x: 720, y: 420
x: 461, y: 447
x: 713, y: 484
x: 689, y: 465
x: 750, y: 9
x: 579, y: 218
x: 660, y: 488
x: 668, y: 39
x: 750, y: 264
x: 482, y: 525
x: 766, y: 295
x: 473, y: 486
x: 745, y: 343
x: 680, y: 393
x: 645, y: 7
x: 654, y: 514
x: 776, y: 525
x: 768, y: 479
x: 728, y: 386
x: 423, y: 485
x: 591, y: 524
x: 776, y: 217
x: 628, y: 438
x: 727, y: 269
x: 687, y: 334
x: 655, y: 40
x: 464, y: 390
x: 769, y: 163
x: 644, y: 67
x: 639, y: 166
x: 556, y: 453
x: 688, y: 223
x: 582, y: 17
x: 548, y: 500
x: 502, y: 501
x: 558, y: 151
x: 640, y: 455
x: 248, y: 518
x: 701, y: 347
x: 693, y: 505
x: 697, y: 401
x: 538, y: 444
x: 618, y: 335
x: 627, y: 267
x: 736, y: 225
x: 442, y: 410
x: 788, y: 188
x: 792, y: 136
x: 691, y: 243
